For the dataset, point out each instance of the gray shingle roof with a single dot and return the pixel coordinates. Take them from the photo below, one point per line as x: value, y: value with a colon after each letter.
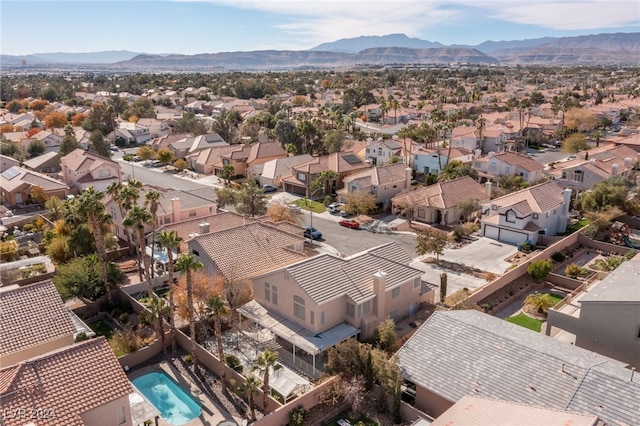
x: 458, y: 353
x: 326, y: 277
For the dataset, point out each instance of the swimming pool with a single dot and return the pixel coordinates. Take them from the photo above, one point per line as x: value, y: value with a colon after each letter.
x: 175, y: 405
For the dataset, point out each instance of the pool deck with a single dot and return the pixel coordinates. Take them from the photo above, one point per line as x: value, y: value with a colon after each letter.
x: 211, y: 414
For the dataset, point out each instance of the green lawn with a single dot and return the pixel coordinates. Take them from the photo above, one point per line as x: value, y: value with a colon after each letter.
x: 311, y: 205
x: 576, y: 225
x: 366, y: 421
x: 557, y: 299
x: 526, y: 321
x: 101, y: 328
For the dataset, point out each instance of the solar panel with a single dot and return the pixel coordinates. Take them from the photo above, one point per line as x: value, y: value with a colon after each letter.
x: 10, y: 173
x: 352, y: 159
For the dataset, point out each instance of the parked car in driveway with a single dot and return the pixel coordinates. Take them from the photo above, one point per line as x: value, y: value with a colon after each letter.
x: 269, y: 188
x: 334, y: 207
x: 349, y: 223
x: 312, y: 233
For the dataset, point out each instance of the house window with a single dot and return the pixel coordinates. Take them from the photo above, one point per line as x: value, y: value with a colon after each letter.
x: 311, y: 317
x: 104, y: 173
x: 395, y: 292
x: 564, y: 175
x: 421, y: 213
x: 298, y: 307
x: 416, y: 283
x: 379, y: 151
x: 322, y: 318
x: 511, y: 216
x: 351, y: 310
x: 494, y: 207
x: 426, y: 170
x: 535, y: 215
x: 122, y: 418
x: 195, y: 253
x: 507, y: 169
x: 577, y: 176
x: 267, y: 292
x: 493, y: 167
x: 366, y: 307
x: 302, y: 177
x: 192, y: 213
x: 274, y: 294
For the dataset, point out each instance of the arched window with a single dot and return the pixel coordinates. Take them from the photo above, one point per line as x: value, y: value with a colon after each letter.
x: 511, y: 216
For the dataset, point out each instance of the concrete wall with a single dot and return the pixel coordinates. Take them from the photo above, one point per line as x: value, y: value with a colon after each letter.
x: 430, y: 403
x: 108, y: 414
x: 280, y: 416
x: 564, y: 281
x: 37, y: 350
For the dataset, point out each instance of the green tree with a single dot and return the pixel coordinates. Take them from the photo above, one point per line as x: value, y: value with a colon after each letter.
x: 386, y: 335
x: 170, y: 241
x: 151, y: 202
x: 165, y: 156
x: 264, y: 364
x: 227, y: 125
x: 99, y: 145
x: 611, y: 192
x: 81, y: 277
x: 187, y: 264
x: 158, y: 309
x: 217, y: 307
x: 145, y: 153
x: 91, y: 206
x: 467, y: 206
x: 540, y: 269
x: 332, y: 141
x: 326, y: 180
x: 101, y: 118
x: 69, y: 142
x: 455, y: 169
x: 188, y: 123
x: 55, y: 207
x: 228, y: 171
x: 575, y: 143
x: 180, y: 164
x: 431, y: 240
x: 249, y: 199
x: 36, y: 148
x: 250, y: 388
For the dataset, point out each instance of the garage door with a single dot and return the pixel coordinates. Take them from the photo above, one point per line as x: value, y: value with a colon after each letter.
x: 491, y: 232
x: 512, y: 237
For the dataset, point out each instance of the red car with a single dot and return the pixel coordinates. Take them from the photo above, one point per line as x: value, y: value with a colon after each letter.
x: 349, y: 223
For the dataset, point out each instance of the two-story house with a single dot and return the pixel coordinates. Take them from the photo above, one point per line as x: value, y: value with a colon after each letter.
x: 244, y: 157
x: 193, y: 144
x: 440, y: 203
x: 464, y: 137
x: 16, y: 184
x: 272, y: 171
x: 508, y: 163
x: 132, y: 133
x: 82, y: 169
x: 326, y: 299
x: 303, y: 174
x: 381, y: 151
x: 596, y: 165
x: 383, y: 182
x: 526, y: 214
x: 432, y: 161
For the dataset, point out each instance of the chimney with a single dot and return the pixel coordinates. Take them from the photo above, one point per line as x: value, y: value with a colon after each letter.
x: 614, y: 169
x: 627, y: 163
x: 408, y: 176
x: 487, y: 188
x: 380, y: 288
x: 204, y: 228
x: 477, y: 153
x: 566, y: 195
x: 175, y: 208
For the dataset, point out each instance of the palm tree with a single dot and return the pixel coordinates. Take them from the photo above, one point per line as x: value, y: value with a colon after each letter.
x: 250, y: 387
x: 151, y: 201
x: 540, y: 302
x: 263, y: 364
x: 138, y: 217
x: 125, y: 196
x: 187, y: 264
x: 158, y: 309
x: 218, y: 307
x: 90, y: 205
x: 170, y: 240
x: 325, y: 180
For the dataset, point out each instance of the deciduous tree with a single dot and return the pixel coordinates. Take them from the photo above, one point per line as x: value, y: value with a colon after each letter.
x: 165, y: 156
x: 431, y: 240
x: 56, y: 120
x: 574, y: 143
x: 359, y: 202
x: 279, y: 211
x: 145, y: 153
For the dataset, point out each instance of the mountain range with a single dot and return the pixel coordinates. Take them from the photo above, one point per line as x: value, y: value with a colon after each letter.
x: 393, y: 49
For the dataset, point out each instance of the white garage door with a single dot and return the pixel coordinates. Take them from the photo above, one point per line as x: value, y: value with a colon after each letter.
x: 491, y: 232
x: 512, y: 237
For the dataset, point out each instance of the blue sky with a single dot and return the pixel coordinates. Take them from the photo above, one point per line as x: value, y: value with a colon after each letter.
x: 210, y: 26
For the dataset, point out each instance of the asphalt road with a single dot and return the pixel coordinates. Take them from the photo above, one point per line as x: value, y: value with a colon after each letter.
x: 351, y: 241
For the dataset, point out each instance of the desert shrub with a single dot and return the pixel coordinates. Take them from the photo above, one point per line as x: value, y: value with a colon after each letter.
x: 297, y: 416
x: 526, y: 246
x: 234, y: 362
x: 81, y: 336
x: 539, y: 269
x: 123, y: 318
x: 558, y: 256
x: 187, y: 358
x: 27, y: 227
x: 608, y: 264
x: 125, y: 341
x: 574, y: 271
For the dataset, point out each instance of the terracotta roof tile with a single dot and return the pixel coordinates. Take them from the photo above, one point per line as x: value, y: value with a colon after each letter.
x: 540, y: 198
x: 32, y: 315
x: 445, y: 195
x: 67, y: 383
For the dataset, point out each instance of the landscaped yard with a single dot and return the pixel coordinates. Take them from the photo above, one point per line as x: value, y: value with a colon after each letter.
x: 311, y: 205
x: 101, y: 328
x: 526, y: 321
x: 576, y: 225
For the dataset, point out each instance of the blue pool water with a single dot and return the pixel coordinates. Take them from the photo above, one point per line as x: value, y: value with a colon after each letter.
x: 175, y: 405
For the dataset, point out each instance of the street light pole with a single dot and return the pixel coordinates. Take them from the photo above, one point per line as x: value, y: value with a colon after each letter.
x: 311, y: 210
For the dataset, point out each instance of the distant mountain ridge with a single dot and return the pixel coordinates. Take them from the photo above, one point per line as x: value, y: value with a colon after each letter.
x: 393, y: 49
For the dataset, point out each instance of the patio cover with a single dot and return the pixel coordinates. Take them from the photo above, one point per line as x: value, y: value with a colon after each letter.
x: 299, y: 336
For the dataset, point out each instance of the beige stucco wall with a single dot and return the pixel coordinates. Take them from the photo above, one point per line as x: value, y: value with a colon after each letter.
x: 107, y: 414
x: 430, y: 403
x: 36, y: 350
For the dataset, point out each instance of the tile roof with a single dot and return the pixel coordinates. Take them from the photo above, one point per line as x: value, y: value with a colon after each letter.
x: 520, y: 160
x: 217, y: 222
x: 36, y: 162
x: 265, y: 150
x: 279, y: 167
x: 31, y: 315
x: 540, y: 198
x: 65, y: 383
x: 381, y: 175
x: 326, y: 277
x: 30, y: 178
x: 339, y: 162
x: 459, y: 353
x: 621, y: 285
x: 447, y: 194
x: 251, y: 249
x: 80, y: 159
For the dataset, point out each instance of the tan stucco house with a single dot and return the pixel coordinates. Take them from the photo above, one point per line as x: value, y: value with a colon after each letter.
x: 82, y: 169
